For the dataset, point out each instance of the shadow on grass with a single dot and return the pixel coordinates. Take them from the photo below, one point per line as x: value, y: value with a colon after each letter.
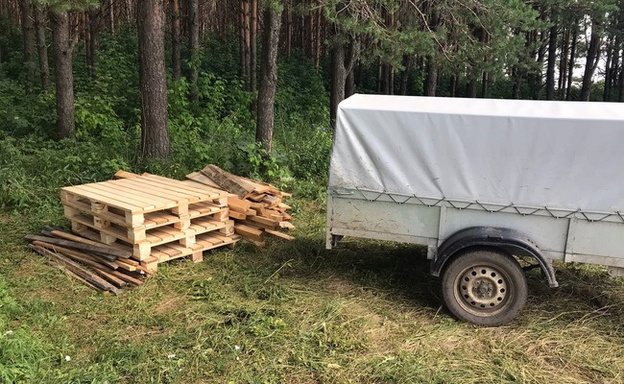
x: 401, y: 272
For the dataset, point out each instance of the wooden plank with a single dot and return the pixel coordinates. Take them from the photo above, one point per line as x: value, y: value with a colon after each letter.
x: 165, y: 190
x: 77, y: 269
x: 70, y: 193
x: 237, y: 215
x: 86, y: 208
x: 128, y: 279
x: 87, y: 258
x: 72, y: 237
x: 199, y: 177
x: 237, y: 204
x: 113, y: 199
x: 187, y: 187
x: 125, y: 190
x: 249, y: 232
x: 86, y: 247
x: 286, y: 225
x: 117, y: 233
x: 279, y: 234
x: 126, y: 266
x: 108, y: 276
x: 257, y: 197
x: 121, y: 174
x: 268, y: 223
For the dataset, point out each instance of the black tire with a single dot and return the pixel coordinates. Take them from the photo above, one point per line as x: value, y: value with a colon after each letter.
x: 484, y: 287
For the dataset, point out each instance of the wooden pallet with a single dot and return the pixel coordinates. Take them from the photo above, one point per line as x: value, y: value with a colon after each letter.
x: 151, y: 216
x: 203, y: 243
x: 128, y: 202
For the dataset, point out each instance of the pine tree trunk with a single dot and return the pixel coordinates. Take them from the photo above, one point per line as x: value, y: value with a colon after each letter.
x: 431, y: 84
x: 92, y: 46
x: 453, y: 92
x: 153, y: 80
x: 64, y: 75
x: 593, y: 55
x: 471, y: 89
x: 253, y: 47
x: 29, y: 43
x: 485, y: 84
x: 621, y: 85
x: 339, y: 77
x: 552, y: 59
x: 243, y: 50
x: 42, y: 48
x: 111, y: 15
x: 194, y: 47
x: 350, y: 84
x: 289, y: 29
x: 176, y: 61
x: 268, y: 79
x: 563, y: 63
x: 571, y: 62
x: 606, y: 94
x: 407, y: 65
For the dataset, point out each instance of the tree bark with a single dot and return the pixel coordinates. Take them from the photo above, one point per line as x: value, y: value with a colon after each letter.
x: 552, y: 59
x: 339, y: 78
x: 350, y: 84
x: 485, y: 84
x: 93, y: 41
x: 453, y: 87
x: 194, y: 48
x: 563, y: 63
x: 253, y: 47
x: 407, y: 65
x: 471, y: 88
x: 593, y: 55
x: 244, y: 43
x: 153, y: 81
x: 606, y: 94
x: 571, y: 62
x: 64, y: 75
x: 42, y: 48
x: 431, y: 84
x: 28, y: 31
x: 176, y: 61
x: 268, y: 79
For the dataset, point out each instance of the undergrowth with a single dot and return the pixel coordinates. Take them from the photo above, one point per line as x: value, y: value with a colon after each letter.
x: 292, y: 312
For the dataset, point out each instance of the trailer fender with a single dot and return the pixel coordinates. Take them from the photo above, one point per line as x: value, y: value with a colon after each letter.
x: 512, y: 241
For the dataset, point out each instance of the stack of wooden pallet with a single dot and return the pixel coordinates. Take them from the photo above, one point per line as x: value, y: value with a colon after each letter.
x: 97, y: 265
x: 155, y: 218
x: 256, y: 207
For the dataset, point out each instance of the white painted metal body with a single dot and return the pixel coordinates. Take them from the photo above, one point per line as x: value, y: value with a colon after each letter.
x: 555, y: 177
x: 559, y: 235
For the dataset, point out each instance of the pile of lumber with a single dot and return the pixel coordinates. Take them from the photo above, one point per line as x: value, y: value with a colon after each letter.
x: 99, y: 266
x: 157, y: 219
x: 257, y: 208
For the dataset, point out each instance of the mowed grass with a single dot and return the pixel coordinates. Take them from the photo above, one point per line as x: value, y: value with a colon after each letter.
x: 292, y: 312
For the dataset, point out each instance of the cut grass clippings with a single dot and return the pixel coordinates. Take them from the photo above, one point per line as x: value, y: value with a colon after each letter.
x: 292, y: 312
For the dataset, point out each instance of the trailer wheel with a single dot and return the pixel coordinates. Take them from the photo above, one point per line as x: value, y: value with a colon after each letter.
x: 484, y: 287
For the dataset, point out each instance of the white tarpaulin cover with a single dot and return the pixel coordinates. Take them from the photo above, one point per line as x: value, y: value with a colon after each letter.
x: 560, y: 155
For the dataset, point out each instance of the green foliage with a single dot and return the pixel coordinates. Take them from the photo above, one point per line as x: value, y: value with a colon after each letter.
x: 22, y: 354
x: 23, y: 114
x: 34, y: 169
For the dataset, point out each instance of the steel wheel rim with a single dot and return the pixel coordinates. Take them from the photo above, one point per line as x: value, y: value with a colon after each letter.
x: 483, y: 290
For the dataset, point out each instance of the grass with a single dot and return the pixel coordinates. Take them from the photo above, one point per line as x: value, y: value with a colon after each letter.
x: 366, y: 312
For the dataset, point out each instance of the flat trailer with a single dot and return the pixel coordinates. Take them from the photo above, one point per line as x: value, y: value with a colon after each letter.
x: 486, y: 185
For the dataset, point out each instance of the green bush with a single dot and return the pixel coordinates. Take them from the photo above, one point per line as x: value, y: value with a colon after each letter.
x: 21, y: 353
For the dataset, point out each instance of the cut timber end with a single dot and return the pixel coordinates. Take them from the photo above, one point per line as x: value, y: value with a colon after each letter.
x: 279, y: 234
x: 121, y: 174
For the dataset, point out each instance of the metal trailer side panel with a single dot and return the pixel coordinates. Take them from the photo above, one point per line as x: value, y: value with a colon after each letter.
x: 567, y: 239
x: 382, y: 220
